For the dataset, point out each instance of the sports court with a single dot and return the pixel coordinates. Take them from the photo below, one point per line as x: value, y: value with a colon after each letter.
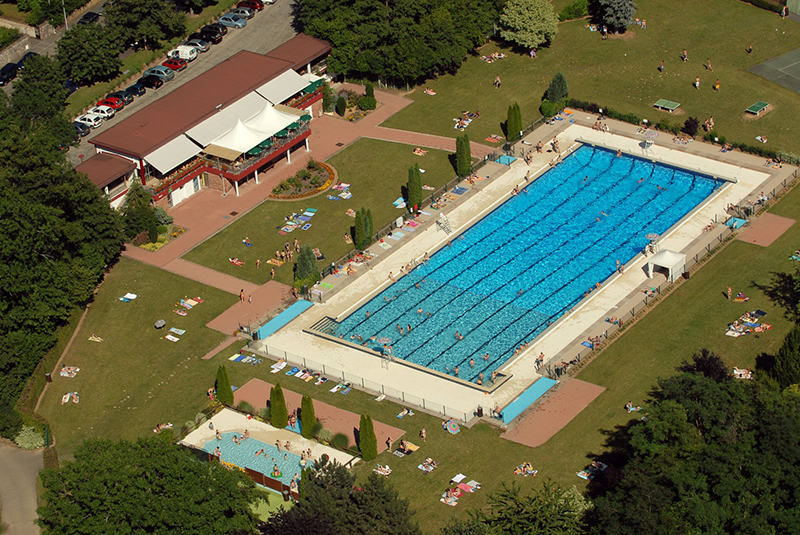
x: 783, y: 70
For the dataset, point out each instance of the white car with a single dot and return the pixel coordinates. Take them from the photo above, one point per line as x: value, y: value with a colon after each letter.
x: 91, y: 120
x: 106, y: 112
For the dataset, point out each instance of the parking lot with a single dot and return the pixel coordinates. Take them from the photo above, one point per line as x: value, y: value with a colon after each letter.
x: 267, y: 30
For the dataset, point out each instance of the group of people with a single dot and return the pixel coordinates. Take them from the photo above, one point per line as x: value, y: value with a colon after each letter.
x: 600, y: 127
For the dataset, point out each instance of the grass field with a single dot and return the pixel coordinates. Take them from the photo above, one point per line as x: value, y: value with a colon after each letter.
x: 622, y: 73
x: 376, y: 171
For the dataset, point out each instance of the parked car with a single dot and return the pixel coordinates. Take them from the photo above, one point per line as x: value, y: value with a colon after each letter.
x: 122, y: 95
x: 211, y: 38
x: 255, y: 5
x: 270, y: 2
x: 112, y: 102
x: 184, y: 52
x: 71, y: 87
x: 150, y: 82
x: 232, y: 21
x: 82, y: 129
x: 26, y: 57
x: 136, y: 90
x: 91, y: 120
x: 220, y: 28
x: 8, y: 73
x: 176, y: 65
x: 199, y: 44
x: 165, y: 73
x: 106, y: 112
x: 90, y: 17
x: 243, y: 12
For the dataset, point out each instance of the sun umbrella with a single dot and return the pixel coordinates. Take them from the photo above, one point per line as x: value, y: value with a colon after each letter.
x: 255, y: 151
x: 267, y: 143
x: 652, y: 236
x: 305, y: 118
x: 282, y: 133
x: 293, y: 126
x: 452, y: 427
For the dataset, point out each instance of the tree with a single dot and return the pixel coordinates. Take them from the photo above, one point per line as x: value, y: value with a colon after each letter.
x: 283, y: 522
x: 708, y: 364
x: 463, y: 156
x: 369, y: 90
x: 558, y: 90
x: 359, y: 234
x: 306, y: 263
x: 341, y: 106
x: 551, y: 509
x: 39, y: 93
x: 223, y: 386
x: 146, y: 486
x: 616, y: 14
x: 369, y: 224
x: 279, y: 415
x: 528, y: 23
x: 308, y: 418
x: 786, y: 368
x: 414, y: 186
x: 145, y: 22
x: 367, y: 443
x: 466, y: 527
x: 137, y: 213
x: 691, y: 126
x: 784, y: 291
x: 514, y: 122
x: 328, y: 101
x: 89, y: 53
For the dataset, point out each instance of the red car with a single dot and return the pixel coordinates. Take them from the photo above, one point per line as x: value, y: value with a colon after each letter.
x: 175, y: 64
x: 112, y: 102
x: 255, y: 5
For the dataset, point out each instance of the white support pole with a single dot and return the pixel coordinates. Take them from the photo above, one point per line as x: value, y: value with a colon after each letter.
x: 236, y: 187
x: 288, y: 156
x: 256, y: 175
x: 309, y: 68
x: 308, y: 149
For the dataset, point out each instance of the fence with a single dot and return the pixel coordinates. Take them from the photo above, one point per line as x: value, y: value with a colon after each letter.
x: 370, y: 387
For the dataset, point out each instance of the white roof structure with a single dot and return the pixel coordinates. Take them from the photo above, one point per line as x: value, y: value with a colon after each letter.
x: 241, y: 110
x: 270, y: 121
x: 673, y: 262
x: 239, y: 138
x: 174, y: 153
x: 282, y: 87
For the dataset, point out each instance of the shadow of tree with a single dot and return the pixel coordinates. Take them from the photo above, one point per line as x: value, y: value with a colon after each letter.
x: 784, y: 291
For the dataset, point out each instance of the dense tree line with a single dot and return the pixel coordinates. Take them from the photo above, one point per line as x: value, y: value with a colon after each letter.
x: 58, y: 231
x: 402, y: 41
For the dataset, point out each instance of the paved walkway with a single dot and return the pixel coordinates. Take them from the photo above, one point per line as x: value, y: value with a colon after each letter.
x: 18, y: 489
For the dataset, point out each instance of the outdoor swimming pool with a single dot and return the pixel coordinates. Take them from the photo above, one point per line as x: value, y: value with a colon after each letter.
x: 528, y: 262
x: 243, y: 455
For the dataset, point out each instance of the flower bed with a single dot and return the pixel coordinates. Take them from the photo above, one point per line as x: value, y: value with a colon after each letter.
x: 312, y: 180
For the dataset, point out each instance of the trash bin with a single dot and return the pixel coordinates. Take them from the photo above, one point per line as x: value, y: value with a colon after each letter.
x: 48, y: 378
x: 480, y: 411
x: 286, y: 496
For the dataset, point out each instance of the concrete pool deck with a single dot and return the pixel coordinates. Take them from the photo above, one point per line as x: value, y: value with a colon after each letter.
x: 453, y: 397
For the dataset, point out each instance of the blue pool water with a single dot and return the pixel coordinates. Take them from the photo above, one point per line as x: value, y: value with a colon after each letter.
x: 524, y: 265
x: 244, y: 456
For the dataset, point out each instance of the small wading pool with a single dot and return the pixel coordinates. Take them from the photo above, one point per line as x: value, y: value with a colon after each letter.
x: 527, y: 263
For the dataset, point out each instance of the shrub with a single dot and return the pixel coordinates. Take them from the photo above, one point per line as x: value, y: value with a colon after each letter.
x: 513, y: 122
x: 340, y: 441
x: 152, y: 231
x: 316, y: 181
x: 263, y: 413
x: 50, y: 457
x: 327, y: 97
x: 29, y: 438
x: 306, y: 263
x: 325, y: 435
x: 548, y: 109
x: 10, y: 422
x: 576, y: 10
x: 279, y: 416
x: 303, y: 174
x: 367, y: 103
x: 368, y: 443
x: 765, y: 4
x: 223, y: 386
x: 341, y: 106
x: 189, y: 425
x: 162, y: 216
x: 558, y: 89
x: 246, y: 407
x: 317, y: 429
x: 312, y: 164
x: 463, y: 159
x: 414, y: 185
x: 308, y: 417
x: 199, y: 418
x: 691, y: 126
x: 369, y: 90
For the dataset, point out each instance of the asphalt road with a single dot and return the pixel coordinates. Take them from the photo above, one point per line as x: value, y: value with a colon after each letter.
x: 18, y: 488
x: 268, y: 29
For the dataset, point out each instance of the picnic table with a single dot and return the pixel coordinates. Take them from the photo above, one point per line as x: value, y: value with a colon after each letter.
x: 665, y: 104
x: 757, y: 108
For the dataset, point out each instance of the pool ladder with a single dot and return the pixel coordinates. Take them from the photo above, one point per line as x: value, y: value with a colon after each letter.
x: 444, y: 224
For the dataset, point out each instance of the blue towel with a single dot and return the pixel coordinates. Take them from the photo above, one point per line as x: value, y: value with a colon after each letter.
x: 751, y: 324
x: 240, y: 358
x: 293, y: 371
x: 346, y: 390
x: 304, y: 218
x: 311, y: 209
x: 588, y: 344
x: 306, y: 226
x: 458, y: 190
x: 760, y: 312
x: 309, y: 214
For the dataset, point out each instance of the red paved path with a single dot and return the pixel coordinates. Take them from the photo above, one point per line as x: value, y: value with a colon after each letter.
x: 256, y: 393
x: 766, y: 229
x: 554, y: 414
x: 265, y: 298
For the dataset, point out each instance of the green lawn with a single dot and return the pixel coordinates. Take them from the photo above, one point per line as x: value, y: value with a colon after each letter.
x: 376, y: 171
x: 600, y: 71
x: 135, y: 379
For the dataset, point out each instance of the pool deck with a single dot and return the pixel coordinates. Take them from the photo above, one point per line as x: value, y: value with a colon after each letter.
x: 228, y: 421
x: 404, y: 382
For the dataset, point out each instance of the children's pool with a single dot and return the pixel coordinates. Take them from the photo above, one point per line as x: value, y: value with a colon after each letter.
x: 243, y: 455
x: 524, y: 265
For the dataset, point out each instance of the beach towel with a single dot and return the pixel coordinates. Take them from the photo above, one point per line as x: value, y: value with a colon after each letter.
x: 318, y: 254
x: 179, y: 332
x: 293, y: 371
x: 337, y: 387
x: 398, y: 453
x: 733, y: 334
x: 306, y: 226
x: 299, y: 373
x: 465, y: 487
x: 452, y: 502
x: 66, y: 397
x: 380, y: 398
x: 474, y: 484
x: 181, y: 312
x: 304, y: 218
x: 309, y: 214
x: 587, y: 344
x: 314, y: 210
x: 458, y: 478
x: 321, y: 380
x: 193, y: 302
x: 346, y: 391
x: 234, y: 356
x: 413, y: 224
x: 408, y: 229
x: 385, y: 245
x: 332, y: 198
x: 759, y: 313
x: 751, y: 324
x: 398, y: 234
x: 172, y: 338
x: 393, y: 237
x: 345, y: 195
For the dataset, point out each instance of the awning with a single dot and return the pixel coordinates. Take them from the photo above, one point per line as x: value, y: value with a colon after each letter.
x: 239, y: 138
x: 291, y: 111
x: 269, y: 121
x: 241, y: 110
x: 173, y: 154
x: 282, y: 87
x: 673, y: 262
x: 222, y: 152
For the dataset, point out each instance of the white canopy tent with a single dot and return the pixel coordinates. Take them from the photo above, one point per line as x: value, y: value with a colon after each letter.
x: 225, y: 119
x: 673, y: 262
x: 270, y: 121
x: 239, y: 138
x: 283, y: 87
x: 174, y: 153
